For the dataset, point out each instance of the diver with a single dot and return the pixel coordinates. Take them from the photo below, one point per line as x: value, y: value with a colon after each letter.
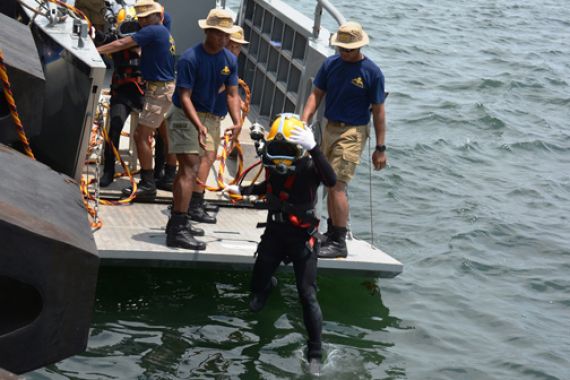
x: 295, y: 167
x: 127, y: 85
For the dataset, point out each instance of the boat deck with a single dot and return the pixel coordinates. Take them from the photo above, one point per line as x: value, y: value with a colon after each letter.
x: 133, y: 235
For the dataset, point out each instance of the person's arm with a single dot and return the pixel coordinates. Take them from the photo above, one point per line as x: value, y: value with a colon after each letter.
x: 192, y: 115
x: 312, y: 104
x: 379, y: 159
x: 117, y: 45
x: 324, y: 169
x: 234, y: 103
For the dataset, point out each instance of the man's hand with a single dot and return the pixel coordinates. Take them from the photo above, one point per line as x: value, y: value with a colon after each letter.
x: 379, y: 159
x: 234, y: 132
x: 202, y: 136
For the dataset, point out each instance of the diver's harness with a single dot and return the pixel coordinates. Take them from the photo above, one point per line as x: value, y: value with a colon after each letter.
x: 127, y: 70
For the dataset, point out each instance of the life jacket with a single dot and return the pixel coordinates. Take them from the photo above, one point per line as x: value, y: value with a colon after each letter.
x: 127, y: 70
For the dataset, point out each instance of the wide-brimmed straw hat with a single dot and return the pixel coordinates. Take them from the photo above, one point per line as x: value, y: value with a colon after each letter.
x: 238, y: 37
x: 145, y: 8
x: 350, y: 36
x: 219, y: 19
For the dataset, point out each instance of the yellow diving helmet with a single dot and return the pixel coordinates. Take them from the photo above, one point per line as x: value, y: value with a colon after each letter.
x: 280, y: 152
x: 127, y: 23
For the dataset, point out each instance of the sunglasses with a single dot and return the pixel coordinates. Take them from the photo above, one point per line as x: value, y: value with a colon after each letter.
x: 343, y: 50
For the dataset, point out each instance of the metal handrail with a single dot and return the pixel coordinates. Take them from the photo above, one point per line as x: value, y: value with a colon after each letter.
x: 326, y: 5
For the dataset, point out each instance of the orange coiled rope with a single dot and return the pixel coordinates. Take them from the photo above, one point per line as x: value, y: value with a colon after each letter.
x: 13, y: 109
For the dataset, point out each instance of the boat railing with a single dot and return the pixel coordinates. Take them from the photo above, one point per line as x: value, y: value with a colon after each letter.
x: 333, y: 11
x: 284, y: 53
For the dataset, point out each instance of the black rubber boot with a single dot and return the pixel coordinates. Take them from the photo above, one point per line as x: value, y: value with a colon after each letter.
x: 167, y: 180
x: 109, y: 166
x: 196, y: 210
x: 178, y: 235
x: 258, y: 300
x: 326, y: 237
x: 195, y: 231
x: 146, y: 188
x: 108, y: 172
x: 211, y: 207
x: 336, y: 248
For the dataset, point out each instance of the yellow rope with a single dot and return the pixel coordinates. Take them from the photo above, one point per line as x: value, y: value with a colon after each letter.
x: 13, y: 109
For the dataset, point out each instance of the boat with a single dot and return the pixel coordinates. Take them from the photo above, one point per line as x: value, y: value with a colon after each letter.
x: 285, y: 51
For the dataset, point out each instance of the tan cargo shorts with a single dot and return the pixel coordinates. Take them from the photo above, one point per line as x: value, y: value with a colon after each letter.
x: 342, y: 145
x: 183, y: 135
x: 157, y: 101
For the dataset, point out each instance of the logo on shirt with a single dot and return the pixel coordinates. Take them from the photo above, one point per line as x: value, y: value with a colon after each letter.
x: 172, y: 45
x: 358, y: 82
x: 226, y: 71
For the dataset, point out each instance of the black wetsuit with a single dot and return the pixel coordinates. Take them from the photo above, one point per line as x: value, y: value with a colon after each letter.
x: 282, y: 241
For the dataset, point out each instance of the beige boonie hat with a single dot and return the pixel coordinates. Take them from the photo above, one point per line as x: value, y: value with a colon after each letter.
x: 238, y: 37
x: 219, y: 19
x: 145, y: 8
x: 350, y: 36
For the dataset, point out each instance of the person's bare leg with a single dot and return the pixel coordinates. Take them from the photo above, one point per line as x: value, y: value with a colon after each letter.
x: 184, y: 181
x: 170, y: 158
x: 143, y: 135
x: 206, y: 162
x: 338, y: 204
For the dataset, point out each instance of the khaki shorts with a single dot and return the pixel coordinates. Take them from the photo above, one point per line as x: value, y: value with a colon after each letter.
x: 342, y: 145
x: 183, y: 135
x: 157, y: 101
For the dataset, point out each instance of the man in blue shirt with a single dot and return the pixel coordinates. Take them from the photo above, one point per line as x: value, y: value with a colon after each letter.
x: 354, y: 88
x: 193, y: 128
x: 157, y: 67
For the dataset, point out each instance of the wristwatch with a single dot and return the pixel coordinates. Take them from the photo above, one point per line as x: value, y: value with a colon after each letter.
x: 381, y: 148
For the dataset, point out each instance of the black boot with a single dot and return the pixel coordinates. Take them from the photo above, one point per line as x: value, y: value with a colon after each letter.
x: 336, y: 248
x: 178, y: 235
x: 326, y: 237
x: 167, y: 180
x: 196, y: 210
x: 108, y: 172
x: 195, y: 231
x: 146, y: 188
x: 258, y: 300
x: 211, y: 207
x: 109, y: 167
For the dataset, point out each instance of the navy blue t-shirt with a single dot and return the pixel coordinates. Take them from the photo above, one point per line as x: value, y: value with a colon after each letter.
x: 158, y: 50
x: 221, y: 106
x: 205, y: 74
x: 351, y: 88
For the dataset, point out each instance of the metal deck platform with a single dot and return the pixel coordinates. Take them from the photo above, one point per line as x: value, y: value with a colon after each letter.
x: 134, y: 236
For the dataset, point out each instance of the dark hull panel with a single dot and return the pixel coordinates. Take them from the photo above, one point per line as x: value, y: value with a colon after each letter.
x: 48, y: 265
x: 25, y: 73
